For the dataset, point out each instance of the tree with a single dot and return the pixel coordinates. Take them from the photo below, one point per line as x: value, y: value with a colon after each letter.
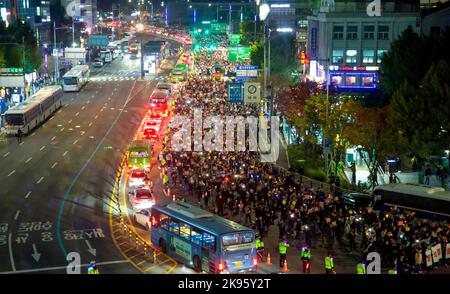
x: 2, y: 58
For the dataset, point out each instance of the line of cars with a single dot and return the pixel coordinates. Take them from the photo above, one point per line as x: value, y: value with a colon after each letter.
x: 140, y: 195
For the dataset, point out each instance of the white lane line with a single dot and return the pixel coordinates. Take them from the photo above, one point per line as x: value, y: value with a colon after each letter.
x: 6, y: 154
x: 75, y: 142
x: 21, y: 143
x: 112, y: 108
x: 28, y: 160
x: 52, y: 118
x: 53, y: 166
x: 54, y: 137
x: 82, y: 108
x: 89, y: 101
x: 28, y: 194
x: 90, y: 124
x: 40, y: 180
x: 95, y: 117
x: 70, y: 121
x: 65, y: 153
x: 77, y: 114
x: 62, y: 129
x: 33, y: 134
x: 11, y: 173
x: 17, y: 214
x: 44, y: 269
x: 42, y: 148
x: 11, y: 257
x: 101, y: 109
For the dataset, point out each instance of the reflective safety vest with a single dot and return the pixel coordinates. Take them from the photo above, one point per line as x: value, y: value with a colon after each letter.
x: 305, y: 254
x: 392, y: 272
x: 329, y: 263
x: 92, y: 271
x: 360, y: 269
x: 283, y: 247
x: 165, y: 179
x: 259, y: 244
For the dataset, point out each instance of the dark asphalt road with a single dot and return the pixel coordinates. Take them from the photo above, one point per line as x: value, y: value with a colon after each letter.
x: 56, y: 185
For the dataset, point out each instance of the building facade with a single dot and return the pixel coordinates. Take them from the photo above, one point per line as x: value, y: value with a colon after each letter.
x: 345, y: 44
x: 436, y: 20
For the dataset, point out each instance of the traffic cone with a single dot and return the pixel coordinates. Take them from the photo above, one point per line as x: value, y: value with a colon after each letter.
x: 285, y: 268
x: 269, y: 261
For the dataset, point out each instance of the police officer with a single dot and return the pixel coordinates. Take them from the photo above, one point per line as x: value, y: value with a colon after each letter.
x: 282, y: 249
x: 329, y: 264
x: 259, y: 247
x: 392, y: 270
x: 92, y: 269
x: 361, y: 268
x: 306, y: 258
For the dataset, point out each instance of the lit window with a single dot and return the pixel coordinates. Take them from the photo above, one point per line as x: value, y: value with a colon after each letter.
x: 351, y: 56
x: 368, y: 56
x: 350, y: 80
x: 380, y: 55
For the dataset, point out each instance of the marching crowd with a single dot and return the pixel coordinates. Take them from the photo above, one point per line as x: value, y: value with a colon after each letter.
x: 237, y: 185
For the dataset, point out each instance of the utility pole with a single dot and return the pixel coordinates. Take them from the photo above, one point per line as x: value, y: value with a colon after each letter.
x: 73, y: 32
x: 23, y: 68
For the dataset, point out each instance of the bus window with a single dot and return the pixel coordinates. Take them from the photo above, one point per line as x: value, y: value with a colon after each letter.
x: 70, y: 81
x: 164, y: 221
x: 174, y: 226
x: 209, y: 241
x: 14, y: 119
x: 185, y: 231
x: 196, y: 236
x: 237, y: 238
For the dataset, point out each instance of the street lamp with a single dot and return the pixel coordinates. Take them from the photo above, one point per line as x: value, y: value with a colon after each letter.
x: 264, y: 10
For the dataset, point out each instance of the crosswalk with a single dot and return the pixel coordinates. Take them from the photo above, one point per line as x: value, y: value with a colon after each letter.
x: 120, y: 75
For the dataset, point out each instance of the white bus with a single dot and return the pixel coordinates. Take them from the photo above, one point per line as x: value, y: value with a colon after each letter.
x: 76, y: 78
x: 29, y: 114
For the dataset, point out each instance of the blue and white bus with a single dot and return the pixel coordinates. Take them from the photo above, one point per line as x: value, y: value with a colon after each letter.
x: 205, y: 241
x: 76, y: 78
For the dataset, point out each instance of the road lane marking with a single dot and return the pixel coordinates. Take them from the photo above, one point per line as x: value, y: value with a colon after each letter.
x: 40, y: 180
x: 52, y: 118
x: 70, y: 121
x: 112, y: 108
x: 53, y: 166
x: 95, y: 117
x: 101, y: 109
x: 54, y: 137
x: 75, y: 142
x: 90, y: 124
x: 17, y: 214
x: 28, y: 160
x: 32, y: 135
x: 21, y: 143
x: 28, y: 194
x: 65, y: 153
x: 82, y: 108
x: 42, y: 148
x: 64, y: 267
x: 6, y: 154
x: 11, y: 173
x: 11, y: 257
x: 77, y: 114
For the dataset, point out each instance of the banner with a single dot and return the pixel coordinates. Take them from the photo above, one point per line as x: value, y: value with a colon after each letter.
x: 437, y: 252
x: 447, y: 251
x: 428, y: 258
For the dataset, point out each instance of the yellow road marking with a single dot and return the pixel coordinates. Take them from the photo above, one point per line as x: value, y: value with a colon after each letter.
x: 141, y: 262
x: 158, y: 264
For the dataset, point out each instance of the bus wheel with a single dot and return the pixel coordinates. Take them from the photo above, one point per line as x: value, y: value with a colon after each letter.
x: 162, y: 245
x: 197, y: 264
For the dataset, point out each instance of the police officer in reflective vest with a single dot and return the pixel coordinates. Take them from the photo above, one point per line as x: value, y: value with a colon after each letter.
x: 361, y: 268
x: 92, y: 269
x: 392, y: 270
x: 282, y: 249
x: 306, y: 258
x: 329, y: 264
x: 259, y: 247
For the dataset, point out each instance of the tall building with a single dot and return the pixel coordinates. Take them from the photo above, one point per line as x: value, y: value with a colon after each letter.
x: 345, y: 44
x: 6, y: 11
x: 37, y: 14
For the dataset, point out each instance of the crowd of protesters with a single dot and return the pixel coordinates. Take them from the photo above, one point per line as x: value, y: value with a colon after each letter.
x: 238, y: 185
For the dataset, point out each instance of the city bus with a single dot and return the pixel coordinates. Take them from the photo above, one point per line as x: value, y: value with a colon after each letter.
x: 206, y: 241
x: 76, y: 78
x: 160, y: 102
x: 139, y: 155
x: 29, y: 114
x: 428, y: 202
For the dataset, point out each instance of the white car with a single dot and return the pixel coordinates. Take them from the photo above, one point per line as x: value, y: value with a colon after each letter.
x: 142, y: 217
x: 141, y: 198
x: 137, y: 178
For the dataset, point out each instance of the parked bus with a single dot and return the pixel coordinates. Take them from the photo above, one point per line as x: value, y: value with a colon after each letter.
x: 206, y: 241
x: 76, y: 78
x: 426, y: 201
x: 139, y: 154
x: 29, y: 114
x: 160, y: 102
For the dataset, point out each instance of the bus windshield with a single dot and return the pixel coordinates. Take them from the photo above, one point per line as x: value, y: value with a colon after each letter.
x: 14, y: 119
x: 138, y: 154
x: 237, y: 238
x: 70, y: 81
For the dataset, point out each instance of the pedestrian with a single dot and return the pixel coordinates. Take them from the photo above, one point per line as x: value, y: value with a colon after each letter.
x: 361, y: 268
x: 427, y: 175
x: 282, y: 247
x: 353, y: 168
x: 351, y: 240
x: 248, y: 214
x: 19, y: 136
